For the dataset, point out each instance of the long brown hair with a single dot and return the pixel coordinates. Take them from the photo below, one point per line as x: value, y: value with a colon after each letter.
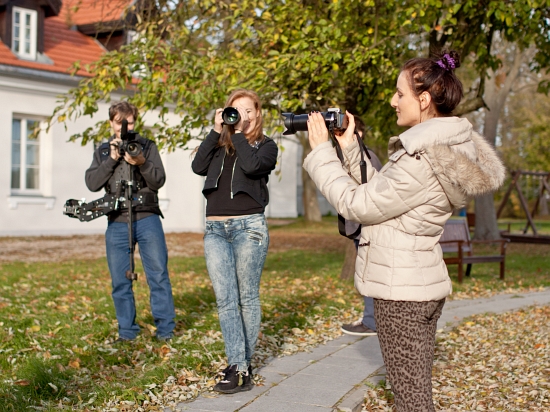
x: 256, y: 135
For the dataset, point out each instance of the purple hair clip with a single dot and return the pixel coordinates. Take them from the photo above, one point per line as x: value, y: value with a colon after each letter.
x: 450, y: 62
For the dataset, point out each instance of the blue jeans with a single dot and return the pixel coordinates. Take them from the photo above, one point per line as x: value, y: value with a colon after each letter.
x: 149, y: 236
x: 368, y: 313
x: 235, y: 250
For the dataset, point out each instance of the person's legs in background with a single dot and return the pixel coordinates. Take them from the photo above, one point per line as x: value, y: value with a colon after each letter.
x: 116, y: 242
x: 367, y: 325
x: 154, y: 256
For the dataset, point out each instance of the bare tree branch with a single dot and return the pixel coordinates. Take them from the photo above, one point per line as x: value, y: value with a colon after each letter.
x: 469, y: 106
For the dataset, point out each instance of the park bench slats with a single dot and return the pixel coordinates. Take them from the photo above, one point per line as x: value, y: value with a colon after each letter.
x: 456, y: 239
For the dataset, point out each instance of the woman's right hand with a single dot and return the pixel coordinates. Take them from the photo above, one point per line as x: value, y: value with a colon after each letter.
x: 218, y: 121
x: 348, y: 137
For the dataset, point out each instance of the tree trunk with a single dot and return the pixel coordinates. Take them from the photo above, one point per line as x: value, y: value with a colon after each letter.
x: 497, y: 87
x: 486, y: 218
x: 312, y: 213
x: 348, y: 269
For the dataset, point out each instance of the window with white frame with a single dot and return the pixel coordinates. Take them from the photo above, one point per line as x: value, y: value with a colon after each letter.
x: 25, y: 156
x: 24, y: 33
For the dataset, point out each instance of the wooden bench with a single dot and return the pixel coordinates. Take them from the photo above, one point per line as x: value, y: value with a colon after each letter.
x: 456, y: 239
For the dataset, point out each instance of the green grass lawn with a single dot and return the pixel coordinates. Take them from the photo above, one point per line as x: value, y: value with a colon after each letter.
x: 57, y: 321
x: 519, y: 225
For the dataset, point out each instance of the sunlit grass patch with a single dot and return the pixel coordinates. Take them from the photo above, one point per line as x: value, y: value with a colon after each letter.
x: 62, y: 313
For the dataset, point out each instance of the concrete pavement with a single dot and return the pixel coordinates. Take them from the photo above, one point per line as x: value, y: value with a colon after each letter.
x: 332, y: 376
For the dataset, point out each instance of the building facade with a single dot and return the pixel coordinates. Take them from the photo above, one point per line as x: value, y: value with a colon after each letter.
x: 40, y: 40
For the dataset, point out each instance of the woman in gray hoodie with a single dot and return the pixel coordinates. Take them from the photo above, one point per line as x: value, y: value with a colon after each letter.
x: 435, y: 166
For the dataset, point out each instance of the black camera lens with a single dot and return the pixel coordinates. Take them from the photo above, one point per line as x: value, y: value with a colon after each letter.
x: 133, y: 149
x: 334, y: 119
x: 295, y: 123
x: 230, y: 116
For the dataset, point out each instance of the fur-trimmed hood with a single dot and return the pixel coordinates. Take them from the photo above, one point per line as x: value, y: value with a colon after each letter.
x: 465, y: 164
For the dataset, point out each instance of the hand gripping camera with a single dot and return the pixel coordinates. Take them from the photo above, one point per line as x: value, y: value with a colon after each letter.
x: 334, y: 119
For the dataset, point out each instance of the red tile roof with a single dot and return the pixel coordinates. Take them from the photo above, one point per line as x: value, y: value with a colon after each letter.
x: 64, y: 45
x: 80, y: 12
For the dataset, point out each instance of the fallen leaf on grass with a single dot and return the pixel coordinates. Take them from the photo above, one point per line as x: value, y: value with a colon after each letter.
x: 490, y: 362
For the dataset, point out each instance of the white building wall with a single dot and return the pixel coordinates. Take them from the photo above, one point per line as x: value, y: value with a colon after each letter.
x: 283, y: 181
x: 183, y: 204
x: 64, y: 163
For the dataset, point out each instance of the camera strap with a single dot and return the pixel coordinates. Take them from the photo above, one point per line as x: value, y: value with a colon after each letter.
x: 363, y: 168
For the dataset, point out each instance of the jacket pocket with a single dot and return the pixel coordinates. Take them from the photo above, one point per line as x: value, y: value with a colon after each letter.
x: 363, y: 250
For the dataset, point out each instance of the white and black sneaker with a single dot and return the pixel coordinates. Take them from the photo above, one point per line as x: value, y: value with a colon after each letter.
x: 234, y: 381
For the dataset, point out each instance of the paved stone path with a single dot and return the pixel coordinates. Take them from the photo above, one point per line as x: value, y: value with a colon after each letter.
x: 330, y: 377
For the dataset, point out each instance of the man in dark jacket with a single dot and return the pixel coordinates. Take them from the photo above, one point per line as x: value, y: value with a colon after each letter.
x: 108, y: 170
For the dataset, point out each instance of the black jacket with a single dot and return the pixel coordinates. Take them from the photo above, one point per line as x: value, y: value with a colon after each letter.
x: 252, y: 166
x: 104, y: 172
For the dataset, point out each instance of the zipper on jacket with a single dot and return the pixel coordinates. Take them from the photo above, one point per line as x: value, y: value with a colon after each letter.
x: 232, y: 174
x: 221, y: 170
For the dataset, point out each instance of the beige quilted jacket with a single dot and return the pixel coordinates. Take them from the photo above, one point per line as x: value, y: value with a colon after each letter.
x: 434, y: 167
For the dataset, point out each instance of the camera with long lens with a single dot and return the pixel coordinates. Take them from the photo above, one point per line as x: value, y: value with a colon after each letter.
x: 230, y: 116
x: 334, y: 119
x: 129, y: 142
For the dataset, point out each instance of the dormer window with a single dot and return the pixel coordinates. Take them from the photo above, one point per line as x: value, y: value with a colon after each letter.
x: 24, y: 33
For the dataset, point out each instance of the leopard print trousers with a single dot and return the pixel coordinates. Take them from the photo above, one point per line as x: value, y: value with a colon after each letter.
x: 406, y: 331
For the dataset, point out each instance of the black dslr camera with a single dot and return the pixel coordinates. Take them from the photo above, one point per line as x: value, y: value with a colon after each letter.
x: 230, y: 116
x: 129, y: 143
x: 334, y: 119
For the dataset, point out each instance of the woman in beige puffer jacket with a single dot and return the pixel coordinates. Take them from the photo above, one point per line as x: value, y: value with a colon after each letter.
x: 435, y: 166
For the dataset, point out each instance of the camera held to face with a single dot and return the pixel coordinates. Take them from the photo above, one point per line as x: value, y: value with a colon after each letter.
x: 230, y: 116
x: 334, y: 119
x: 129, y: 142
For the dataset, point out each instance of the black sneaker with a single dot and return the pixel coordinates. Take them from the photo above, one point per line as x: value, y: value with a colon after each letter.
x: 167, y: 339
x: 121, y: 340
x: 357, y: 329
x: 248, y: 384
x: 233, y: 381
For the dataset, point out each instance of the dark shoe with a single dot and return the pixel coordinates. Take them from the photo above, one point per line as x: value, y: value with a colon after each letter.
x: 248, y: 384
x: 357, y: 329
x: 233, y: 381
x: 120, y: 340
x: 166, y: 339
